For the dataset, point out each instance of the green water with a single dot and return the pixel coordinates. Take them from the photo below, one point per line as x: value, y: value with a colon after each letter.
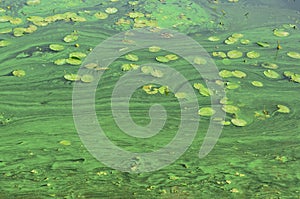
x: 259, y: 160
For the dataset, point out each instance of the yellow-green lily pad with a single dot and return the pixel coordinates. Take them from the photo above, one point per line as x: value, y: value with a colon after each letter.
x: 18, y: 73
x: 87, y: 78
x: 245, y: 41
x: 295, y: 78
x: 230, y: 109
x: 237, y: 35
x: 294, y: 55
x: 199, y: 60
x: 72, y: 77
x: 232, y: 85
x: 73, y: 61
x: 213, y: 38
x: 111, y: 10
x: 5, y: 30
x: 288, y: 74
x: 4, y: 43
x: 65, y: 142
x: 181, y: 95
x: 206, y: 111
x: 127, y: 67
x: 101, y: 15
x: 225, y: 73
x: 147, y: 69
x: 33, y: 2
x: 269, y: 65
x: 157, y: 73
x: 219, y: 54
x: 263, y: 44
x: 162, y: 59
x: 60, y: 62
x: 239, y: 74
x: 233, y: 54
x: 131, y: 57
x: 283, y: 109
x: 280, y: 33
x: 257, y: 83
x: 271, y: 74
x: 56, y: 47
x: 154, y: 49
x: 78, y: 55
x: 253, y: 55
x: 171, y: 57
x: 238, y: 122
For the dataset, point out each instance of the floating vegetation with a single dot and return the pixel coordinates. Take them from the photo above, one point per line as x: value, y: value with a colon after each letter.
x: 77, y: 55
x: 172, y: 57
x: 253, y: 54
x: 271, y: 74
x: 263, y: 44
x: 111, y: 10
x: 5, y: 30
x: 18, y: 32
x: 257, y: 83
x: 232, y: 85
x: 71, y: 37
x: 230, y: 109
x: 237, y: 35
x: 295, y: 78
x: 213, y: 38
x: 147, y: 69
x: 33, y: 2
x: 72, y: 77
x: 199, y: 60
x: 101, y: 15
x: 131, y: 57
x: 56, y: 47
x: 135, y: 15
x: 86, y: 78
x: 4, y: 43
x: 283, y: 109
x: 203, y: 90
x: 127, y: 67
x: 269, y: 65
x: 225, y: 73
x: 18, y: 73
x: 280, y: 33
x: 294, y: 55
x: 60, y: 62
x: 245, y: 41
x: 157, y: 73
x: 73, y: 61
x: 181, y: 95
x: 239, y: 74
x: 206, y: 111
x: 91, y: 65
x: 164, y: 90
x: 162, y: 59
x: 154, y: 49
x: 233, y: 54
x: 219, y: 54
x: 238, y: 122
x: 150, y: 89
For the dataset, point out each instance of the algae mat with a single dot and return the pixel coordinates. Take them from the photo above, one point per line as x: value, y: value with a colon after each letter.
x: 255, y: 47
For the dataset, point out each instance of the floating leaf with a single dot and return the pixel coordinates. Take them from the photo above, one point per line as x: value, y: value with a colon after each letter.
x: 154, y: 49
x: 147, y: 69
x: 171, y: 57
x: 257, y: 83
x: 232, y: 85
x: 206, y: 111
x: 162, y: 59
x: 101, y: 15
x: 65, y: 142
x: 73, y: 61
x: 72, y: 77
x: 199, y: 60
x: 269, y: 65
x: 238, y: 122
x: 230, y: 109
x: 288, y: 74
x: 181, y: 95
x: 87, y: 78
x: 205, y: 92
x: 111, y: 10
x: 219, y: 54
x: 239, y: 74
x: 91, y: 65
x: 157, y: 73
x: 33, y: 2
x: 4, y: 43
x: 283, y: 109
x: 70, y: 38
x: 131, y: 57
x: 56, y: 47
x: 295, y: 78
x: 225, y: 73
x: 233, y: 54
x: 213, y: 38
x: 18, y: 73
x: 163, y: 90
x: 294, y: 55
x: 150, y: 89
x: 245, y: 41
x: 263, y: 44
x: 280, y: 33
x: 271, y: 74
x: 78, y: 55
x: 60, y: 61
x: 237, y: 35
x: 5, y: 30
x: 253, y: 54
x: 127, y: 67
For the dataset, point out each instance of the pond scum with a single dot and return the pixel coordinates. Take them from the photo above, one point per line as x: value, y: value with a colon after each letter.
x: 43, y: 44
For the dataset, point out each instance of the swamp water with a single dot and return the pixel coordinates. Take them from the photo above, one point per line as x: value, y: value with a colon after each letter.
x: 255, y: 46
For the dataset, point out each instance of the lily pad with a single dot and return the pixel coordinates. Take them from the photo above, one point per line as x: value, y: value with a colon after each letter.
x: 91, y: 65
x: 225, y: 73
x: 230, y: 109
x: 283, y: 109
x: 181, y: 95
x: 33, y: 2
x: 213, y: 38
x: 269, y: 65
x: 60, y: 62
x: 237, y: 35
x: 65, y: 142
x: 233, y: 54
x: 162, y: 59
x: 257, y: 83
x: 288, y: 74
x: 87, y: 78
x: 73, y: 61
x: 164, y: 90
x: 147, y: 69
x: 157, y: 73
x: 295, y: 78
x: 18, y: 73
x: 111, y: 10
x: 238, y: 122
x: 154, y: 49
x: 56, y: 47
x: 239, y: 74
x: 253, y: 55
x: 271, y: 74
x: 294, y: 55
x: 4, y: 43
x: 171, y: 57
x: 131, y: 57
x: 70, y: 38
x: 280, y: 33
x: 127, y: 67
x: 263, y: 44
x: 72, y: 77
x: 206, y: 111
x: 219, y: 54
x: 232, y: 85
x: 199, y: 60
x: 245, y: 41
x: 101, y: 15
x: 78, y: 55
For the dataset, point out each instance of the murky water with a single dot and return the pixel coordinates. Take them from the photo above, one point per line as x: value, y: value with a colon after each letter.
x: 257, y: 153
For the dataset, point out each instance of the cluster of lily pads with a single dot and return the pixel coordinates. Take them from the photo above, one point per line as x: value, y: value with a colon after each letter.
x: 86, y: 78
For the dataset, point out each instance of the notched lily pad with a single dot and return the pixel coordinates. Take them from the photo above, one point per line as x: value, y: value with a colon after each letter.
x: 234, y: 54
x: 162, y: 59
x: 154, y: 49
x: 271, y: 74
x: 225, y: 73
x: 238, y: 122
x: 72, y: 77
x: 283, y: 109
